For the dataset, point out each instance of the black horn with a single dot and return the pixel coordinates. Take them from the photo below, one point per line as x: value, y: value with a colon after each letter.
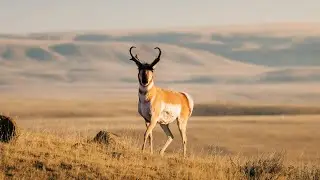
x: 158, y: 58
x: 134, y: 58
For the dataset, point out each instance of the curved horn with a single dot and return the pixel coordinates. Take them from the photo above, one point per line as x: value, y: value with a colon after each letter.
x: 134, y: 58
x: 158, y: 58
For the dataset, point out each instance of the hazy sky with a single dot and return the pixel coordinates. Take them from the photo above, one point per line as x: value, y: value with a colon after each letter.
x: 60, y: 15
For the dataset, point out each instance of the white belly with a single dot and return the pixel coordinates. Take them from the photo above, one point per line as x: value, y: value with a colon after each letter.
x: 169, y: 113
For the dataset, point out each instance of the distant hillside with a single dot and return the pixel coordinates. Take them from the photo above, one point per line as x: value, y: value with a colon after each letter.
x: 77, y: 61
x: 256, y: 49
x: 311, y: 74
x: 223, y: 64
x: 275, y: 45
x: 194, y: 49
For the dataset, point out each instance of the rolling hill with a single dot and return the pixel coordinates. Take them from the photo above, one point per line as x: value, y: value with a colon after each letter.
x: 226, y: 64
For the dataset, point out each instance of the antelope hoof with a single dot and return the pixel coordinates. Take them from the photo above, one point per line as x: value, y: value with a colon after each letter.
x: 161, y: 153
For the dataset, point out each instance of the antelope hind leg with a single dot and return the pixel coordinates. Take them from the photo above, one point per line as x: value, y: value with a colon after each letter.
x: 166, y: 129
x: 183, y: 128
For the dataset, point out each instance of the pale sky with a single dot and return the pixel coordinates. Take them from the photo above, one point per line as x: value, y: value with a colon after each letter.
x: 22, y: 16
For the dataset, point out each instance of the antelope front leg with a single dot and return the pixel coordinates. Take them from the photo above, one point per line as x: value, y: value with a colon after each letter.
x: 148, y: 133
x: 150, y: 139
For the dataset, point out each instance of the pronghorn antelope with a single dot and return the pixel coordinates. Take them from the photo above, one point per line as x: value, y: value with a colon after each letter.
x: 158, y: 105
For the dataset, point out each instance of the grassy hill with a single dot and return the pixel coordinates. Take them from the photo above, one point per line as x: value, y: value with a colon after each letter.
x: 39, y: 155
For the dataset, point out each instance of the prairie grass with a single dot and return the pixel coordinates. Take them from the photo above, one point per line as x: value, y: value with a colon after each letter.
x: 52, y: 143
x: 43, y: 155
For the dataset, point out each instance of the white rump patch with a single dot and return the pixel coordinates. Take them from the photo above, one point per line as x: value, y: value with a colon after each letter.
x: 169, y: 112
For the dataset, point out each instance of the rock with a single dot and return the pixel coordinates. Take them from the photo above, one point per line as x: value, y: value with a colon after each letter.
x: 105, y: 137
x: 8, y: 129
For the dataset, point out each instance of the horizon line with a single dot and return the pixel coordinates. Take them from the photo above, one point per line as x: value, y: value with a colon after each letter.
x: 169, y: 28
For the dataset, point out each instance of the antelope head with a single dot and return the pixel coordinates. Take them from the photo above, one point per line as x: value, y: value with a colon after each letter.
x: 145, y: 74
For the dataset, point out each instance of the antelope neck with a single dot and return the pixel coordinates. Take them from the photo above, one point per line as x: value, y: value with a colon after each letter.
x: 145, y: 91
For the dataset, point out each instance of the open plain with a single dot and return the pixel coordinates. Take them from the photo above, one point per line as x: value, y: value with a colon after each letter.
x: 256, y: 96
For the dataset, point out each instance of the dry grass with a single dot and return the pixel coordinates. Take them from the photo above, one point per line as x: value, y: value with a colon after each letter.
x: 248, y: 134
x: 220, y: 147
x: 225, y: 135
x: 39, y: 155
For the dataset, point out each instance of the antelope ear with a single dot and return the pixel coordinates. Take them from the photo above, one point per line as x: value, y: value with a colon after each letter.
x: 154, y: 67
